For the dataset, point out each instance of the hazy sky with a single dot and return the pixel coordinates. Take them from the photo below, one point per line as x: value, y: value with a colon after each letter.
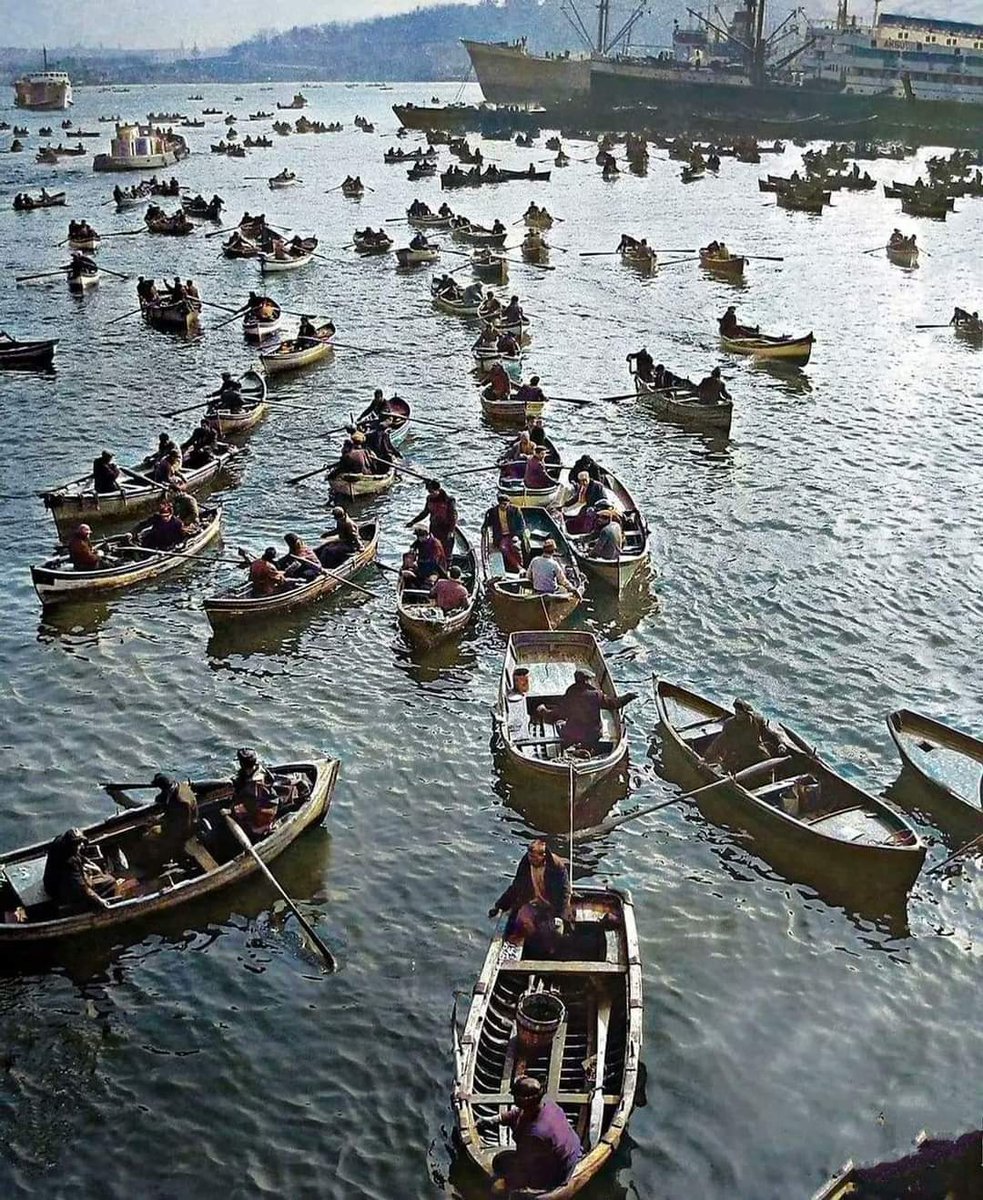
x: 167, y: 23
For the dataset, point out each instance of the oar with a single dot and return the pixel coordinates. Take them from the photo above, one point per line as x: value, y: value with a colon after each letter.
x: 240, y: 836
x: 106, y: 271
x: 174, y: 554
x: 472, y: 470
x: 962, y: 850
x: 122, y: 317
x: 414, y: 419
x: 761, y: 257
x: 945, y: 326
x: 400, y: 466
x: 40, y: 275
x: 235, y: 316
x: 121, y: 233
x: 212, y: 304
x: 676, y: 261
x: 338, y: 578
x: 219, y: 232
x: 309, y: 474
x: 569, y: 400
x: 597, y: 253
x: 740, y: 776
x: 624, y: 396
x: 143, y: 478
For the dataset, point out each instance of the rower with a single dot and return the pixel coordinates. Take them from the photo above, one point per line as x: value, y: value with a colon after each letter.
x: 578, y: 714
x: 164, y: 841
x: 70, y: 880
x: 537, y: 900
x: 537, y: 431
x: 507, y: 344
x: 419, y: 242
x: 379, y: 444
x: 201, y: 446
x: 228, y: 395
x: 168, y: 467
x: 184, y: 504
x: 535, y: 474
x: 513, y: 314
x: 105, y: 473
x: 546, y: 574
x: 308, y: 330
x: 499, y: 384
x: 82, y: 554
x: 450, y: 594
x: 265, y: 576
x: 166, y: 529
x: 254, y: 798
x: 643, y: 363
x: 353, y: 460
x: 345, y: 539
x: 307, y: 565
x: 711, y: 390
x: 424, y: 560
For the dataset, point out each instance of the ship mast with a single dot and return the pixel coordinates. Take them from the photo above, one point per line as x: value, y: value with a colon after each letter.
x: 757, y: 46
x: 603, y: 42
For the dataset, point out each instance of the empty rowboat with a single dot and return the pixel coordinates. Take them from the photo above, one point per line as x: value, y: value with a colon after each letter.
x: 950, y: 766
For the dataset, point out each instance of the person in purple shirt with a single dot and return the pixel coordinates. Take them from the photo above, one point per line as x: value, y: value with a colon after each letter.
x: 546, y: 1147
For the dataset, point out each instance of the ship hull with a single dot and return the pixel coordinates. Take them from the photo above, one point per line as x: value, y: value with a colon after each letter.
x: 508, y: 75
x: 42, y: 97
x: 696, y: 95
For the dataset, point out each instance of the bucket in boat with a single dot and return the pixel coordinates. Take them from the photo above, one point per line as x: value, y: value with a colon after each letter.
x: 537, y: 1018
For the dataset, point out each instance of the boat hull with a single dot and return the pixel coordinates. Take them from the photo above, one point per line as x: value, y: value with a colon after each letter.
x: 956, y: 810
x: 61, y: 584
x: 321, y: 773
x: 607, y: 1028
x: 679, y: 406
x: 425, y: 626
x: 795, y: 351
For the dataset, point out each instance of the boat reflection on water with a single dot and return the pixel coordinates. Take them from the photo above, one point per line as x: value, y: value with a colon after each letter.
x: 611, y: 616
x: 76, y: 624
x: 863, y: 898
x: 429, y: 665
x: 788, y: 379
x: 547, y: 810
x: 301, y: 869
x: 911, y: 794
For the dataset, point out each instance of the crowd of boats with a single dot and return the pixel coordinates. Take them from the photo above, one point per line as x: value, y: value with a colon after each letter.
x: 555, y: 1022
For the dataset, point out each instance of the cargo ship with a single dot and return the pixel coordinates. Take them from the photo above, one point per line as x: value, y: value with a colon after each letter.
x: 509, y: 74
x: 43, y: 91
x: 900, y: 72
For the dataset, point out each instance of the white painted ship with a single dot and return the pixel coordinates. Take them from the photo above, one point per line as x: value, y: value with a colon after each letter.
x: 43, y: 91
x: 141, y: 148
x: 921, y: 58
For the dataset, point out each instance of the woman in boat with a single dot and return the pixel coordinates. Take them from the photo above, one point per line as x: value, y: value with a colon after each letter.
x: 547, y: 1147
x: 306, y: 564
x: 537, y: 900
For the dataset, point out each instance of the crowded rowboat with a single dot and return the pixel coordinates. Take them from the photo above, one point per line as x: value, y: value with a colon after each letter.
x: 311, y: 345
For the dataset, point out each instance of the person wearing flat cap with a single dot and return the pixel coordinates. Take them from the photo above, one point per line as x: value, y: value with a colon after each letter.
x: 578, y: 714
x: 546, y: 1146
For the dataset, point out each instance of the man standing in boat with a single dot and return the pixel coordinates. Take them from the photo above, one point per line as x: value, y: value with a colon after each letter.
x: 508, y: 532
x: 537, y: 900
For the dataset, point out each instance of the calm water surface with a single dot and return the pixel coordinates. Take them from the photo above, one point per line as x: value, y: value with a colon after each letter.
x: 825, y: 562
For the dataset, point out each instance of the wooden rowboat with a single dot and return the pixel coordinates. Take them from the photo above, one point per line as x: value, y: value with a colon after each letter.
x: 515, y: 604
x: 616, y: 573
x: 791, y: 350
x: 257, y: 328
x: 433, y: 221
x: 407, y: 257
x: 210, y: 861
x: 532, y: 746
x: 511, y: 481
x: 182, y: 316
x: 57, y: 581
x: 950, y: 766
x: 801, y: 202
x: 369, y: 246
x: 291, y: 355
x: 456, y: 308
x: 641, y: 259
x: 269, y: 263
x: 228, y: 423
x: 83, y: 280
x: 421, y: 620
x: 682, y: 405
x: 239, y: 604
x: 903, y: 254
x: 16, y: 355
x: 590, y: 1067
x: 73, y: 502
x: 510, y: 411
x: 940, y: 1166
x: 489, y: 267
x: 357, y: 487
x: 732, y: 266
x: 799, y: 805
x: 28, y: 203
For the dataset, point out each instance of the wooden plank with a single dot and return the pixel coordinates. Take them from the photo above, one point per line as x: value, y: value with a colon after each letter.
x: 548, y: 967
x: 597, y: 1099
x: 196, y: 850
x: 505, y: 1098
x: 556, y: 1054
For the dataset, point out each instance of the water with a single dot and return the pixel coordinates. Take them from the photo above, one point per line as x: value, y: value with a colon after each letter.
x: 824, y: 562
